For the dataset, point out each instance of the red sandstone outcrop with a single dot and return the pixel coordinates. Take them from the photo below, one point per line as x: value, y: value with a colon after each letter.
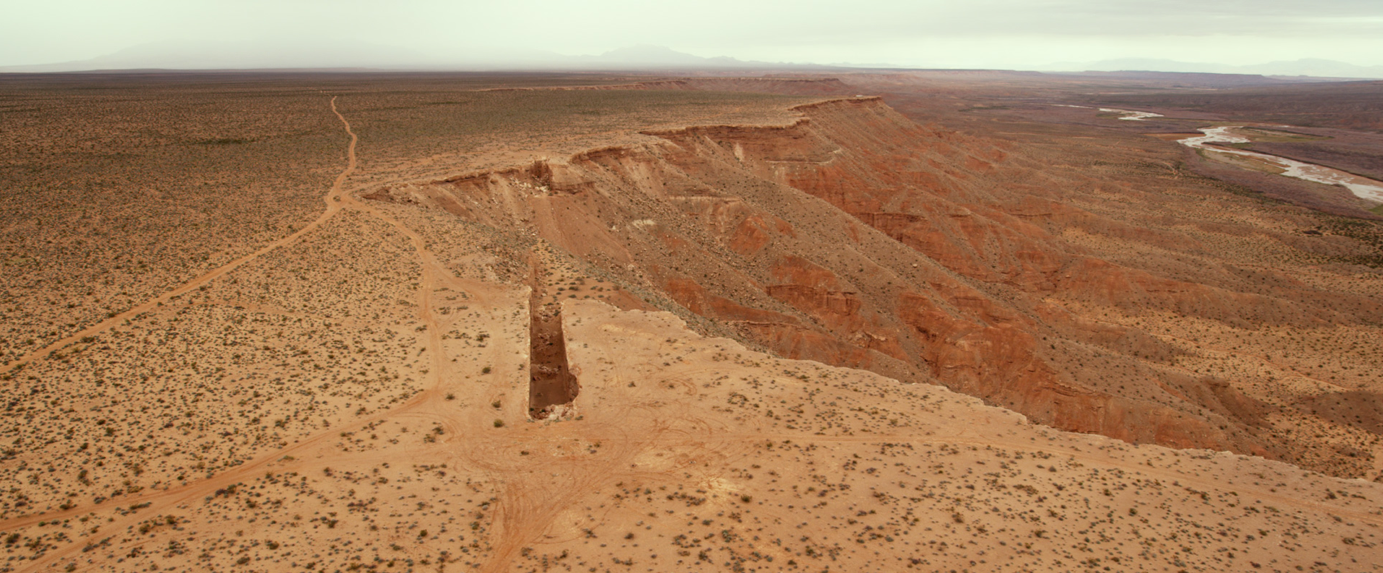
x: 856, y: 237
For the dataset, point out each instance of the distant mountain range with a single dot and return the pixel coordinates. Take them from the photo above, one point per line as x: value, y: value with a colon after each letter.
x: 1305, y: 67
x: 211, y: 55
x: 202, y: 55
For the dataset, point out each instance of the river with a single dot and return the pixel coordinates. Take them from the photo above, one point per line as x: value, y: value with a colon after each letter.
x: 1130, y: 115
x: 1361, y: 187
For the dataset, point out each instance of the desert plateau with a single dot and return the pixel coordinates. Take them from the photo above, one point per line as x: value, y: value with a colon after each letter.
x: 866, y: 320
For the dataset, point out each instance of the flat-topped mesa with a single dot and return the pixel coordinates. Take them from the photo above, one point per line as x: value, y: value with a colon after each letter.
x: 859, y: 100
x: 854, y: 104
x: 725, y: 130
x: 782, y: 86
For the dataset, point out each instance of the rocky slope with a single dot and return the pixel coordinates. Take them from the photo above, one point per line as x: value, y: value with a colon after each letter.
x: 589, y: 363
x: 855, y: 237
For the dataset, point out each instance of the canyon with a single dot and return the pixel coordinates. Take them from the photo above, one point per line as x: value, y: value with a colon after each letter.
x: 489, y: 322
x: 855, y: 237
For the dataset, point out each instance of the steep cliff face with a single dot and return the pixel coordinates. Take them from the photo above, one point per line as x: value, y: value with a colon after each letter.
x: 858, y: 238
x: 938, y: 195
x: 783, y: 86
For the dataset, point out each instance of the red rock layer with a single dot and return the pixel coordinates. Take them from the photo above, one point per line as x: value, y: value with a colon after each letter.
x: 858, y: 238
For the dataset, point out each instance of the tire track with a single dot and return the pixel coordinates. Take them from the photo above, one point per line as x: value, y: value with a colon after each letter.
x: 333, y: 206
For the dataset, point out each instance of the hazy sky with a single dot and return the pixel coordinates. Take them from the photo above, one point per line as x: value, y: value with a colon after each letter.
x: 921, y: 33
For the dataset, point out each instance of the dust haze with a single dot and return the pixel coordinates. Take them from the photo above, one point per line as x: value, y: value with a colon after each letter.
x: 730, y: 320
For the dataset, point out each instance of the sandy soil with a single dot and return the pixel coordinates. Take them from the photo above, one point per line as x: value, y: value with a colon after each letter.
x: 357, y: 394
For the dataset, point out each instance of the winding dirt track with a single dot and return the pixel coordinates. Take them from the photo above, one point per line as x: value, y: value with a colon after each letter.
x: 333, y: 198
x: 525, y: 509
x: 176, y: 496
x: 532, y: 493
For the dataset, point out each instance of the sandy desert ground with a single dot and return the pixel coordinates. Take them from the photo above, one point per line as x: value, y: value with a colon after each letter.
x: 342, y: 323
